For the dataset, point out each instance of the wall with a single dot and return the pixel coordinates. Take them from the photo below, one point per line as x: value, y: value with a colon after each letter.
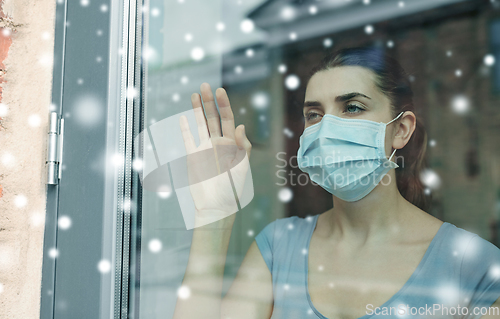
x: 26, y: 49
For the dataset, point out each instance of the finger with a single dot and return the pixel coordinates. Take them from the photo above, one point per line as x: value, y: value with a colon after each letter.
x: 213, y: 118
x: 201, y: 121
x: 226, y: 114
x: 242, y: 139
x: 189, y: 142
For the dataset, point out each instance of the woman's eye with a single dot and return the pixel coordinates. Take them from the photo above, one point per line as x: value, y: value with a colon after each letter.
x: 311, y: 116
x: 353, y: 108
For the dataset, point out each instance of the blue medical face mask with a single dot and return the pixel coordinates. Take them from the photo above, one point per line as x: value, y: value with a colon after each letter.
x: 345, y: 156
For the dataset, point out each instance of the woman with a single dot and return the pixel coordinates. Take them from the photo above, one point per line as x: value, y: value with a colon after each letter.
x: 375, y: 253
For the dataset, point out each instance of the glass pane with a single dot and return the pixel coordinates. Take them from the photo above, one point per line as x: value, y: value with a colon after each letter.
x: 262, y: 53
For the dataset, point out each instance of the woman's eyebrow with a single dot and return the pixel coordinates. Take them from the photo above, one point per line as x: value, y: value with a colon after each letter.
x: 340, y: 98
x: 348, y: 96
x: 311, y: 103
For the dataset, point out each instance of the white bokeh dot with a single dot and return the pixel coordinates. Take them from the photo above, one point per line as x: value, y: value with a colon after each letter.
x: 176, y: 97
x: 184, y: 292
x: 282, y: 68
x: 460, y: 104
x: 430, y: 178
x: 4, y: 110
x: 64, y: 222
x: 127, y: 204
x: 37, y: 219
x: 250, y: 232
x: 288, y: 132
x: 53, y: 253
x: 238, y: 69
x: 184, y: 80
x: 369, y: 29
x: 131, y: 92
x: 489, y: 59
x: 247, y: 26
x: 34, y: 120
x: 249, y: 53
x: 220, y: 26
x: 188, y: 37
x: 104, y: 8
x: 84, y: 3
x: 117, y: 160
x: 287, y: 13
x: 137, y: 164
x: 104, y: 266
x: 292, y: 82
x: 197, y: 54
x: 293, y: 36
x: 327, y: 42
x: 313, y: 10
x: 164, y: 195
x: 20, y: 201
x: 390, y: 44
x: 285, y: 195
x: 155, y: 245
x: 155, y: 12
x: 260, y: 100
x: 458, y: 73
x: 495, y: 271
x: 8, y: 159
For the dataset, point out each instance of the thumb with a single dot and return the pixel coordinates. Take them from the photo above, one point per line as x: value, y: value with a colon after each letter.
x: 242, y: 140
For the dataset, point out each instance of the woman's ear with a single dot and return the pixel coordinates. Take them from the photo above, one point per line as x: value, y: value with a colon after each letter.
x: 404, y: 129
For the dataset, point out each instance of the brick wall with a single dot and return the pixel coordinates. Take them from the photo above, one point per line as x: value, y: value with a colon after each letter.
x: 26, y: 48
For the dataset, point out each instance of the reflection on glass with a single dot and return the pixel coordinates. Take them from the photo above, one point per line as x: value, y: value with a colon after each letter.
x: 262, y: 52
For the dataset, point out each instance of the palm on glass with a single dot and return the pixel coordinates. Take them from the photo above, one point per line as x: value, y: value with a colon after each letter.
x: 222, y: 149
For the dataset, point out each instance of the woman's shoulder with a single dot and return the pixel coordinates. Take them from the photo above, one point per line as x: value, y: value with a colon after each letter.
x: 291, y: 223
x: 467, y: 243
x: 470, y: 241
x: 479, y: 266
x: 287, y: 227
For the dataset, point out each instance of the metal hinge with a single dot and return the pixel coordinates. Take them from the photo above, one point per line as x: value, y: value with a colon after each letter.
x: 54, y: 149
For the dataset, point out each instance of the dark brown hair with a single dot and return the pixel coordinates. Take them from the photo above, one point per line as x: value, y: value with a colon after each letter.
x: 393, y: 81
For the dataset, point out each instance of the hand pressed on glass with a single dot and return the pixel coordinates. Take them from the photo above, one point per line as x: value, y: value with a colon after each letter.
x: 220, y: 159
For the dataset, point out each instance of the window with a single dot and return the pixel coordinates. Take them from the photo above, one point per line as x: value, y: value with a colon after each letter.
x: 124, y: 72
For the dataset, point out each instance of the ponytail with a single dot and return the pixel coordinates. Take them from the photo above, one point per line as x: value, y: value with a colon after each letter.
x: 411, y: 161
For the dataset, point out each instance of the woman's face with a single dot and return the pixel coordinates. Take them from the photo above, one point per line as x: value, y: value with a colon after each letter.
x: 347, y: 92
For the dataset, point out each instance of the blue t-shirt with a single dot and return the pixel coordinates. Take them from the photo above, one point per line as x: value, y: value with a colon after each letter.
x: 459, y: 268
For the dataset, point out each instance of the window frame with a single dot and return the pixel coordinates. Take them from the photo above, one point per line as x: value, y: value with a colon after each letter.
x: 93, y: 191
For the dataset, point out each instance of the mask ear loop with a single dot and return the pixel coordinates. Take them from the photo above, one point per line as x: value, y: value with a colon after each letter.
x: 390, y: 123
x: 395, y: 118
x: 392, y: 154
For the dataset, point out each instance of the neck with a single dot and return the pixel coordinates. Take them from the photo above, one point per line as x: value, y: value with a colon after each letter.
x: 376, y: 217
